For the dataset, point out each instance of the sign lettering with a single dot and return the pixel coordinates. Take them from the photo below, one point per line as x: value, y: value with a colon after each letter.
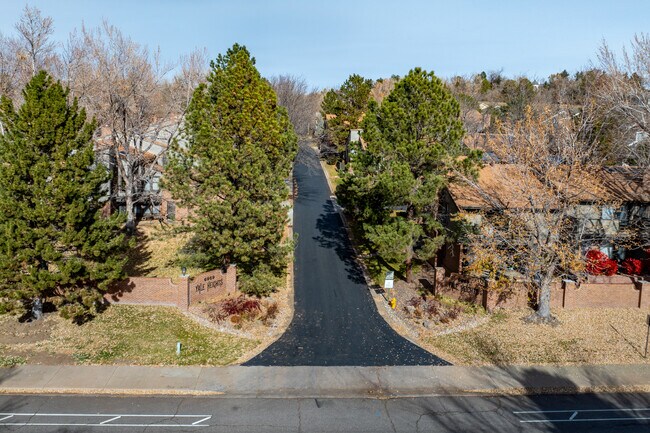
x: 208, y: 282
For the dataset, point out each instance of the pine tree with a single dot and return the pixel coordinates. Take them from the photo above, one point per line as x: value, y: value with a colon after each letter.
x: 232, y: 169
x: 413, y: 141
x: 54, y: 244
x: 345, y: 108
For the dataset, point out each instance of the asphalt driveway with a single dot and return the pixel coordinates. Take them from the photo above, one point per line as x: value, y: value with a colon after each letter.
x: 335, y: 321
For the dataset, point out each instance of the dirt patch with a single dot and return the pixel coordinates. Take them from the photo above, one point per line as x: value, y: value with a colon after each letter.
x: 14, y: 332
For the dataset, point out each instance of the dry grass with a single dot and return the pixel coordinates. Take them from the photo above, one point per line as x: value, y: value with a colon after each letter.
x: 158, y: 252
x: 585, y: 336
x: 121, y: 335
x: 332, y: 174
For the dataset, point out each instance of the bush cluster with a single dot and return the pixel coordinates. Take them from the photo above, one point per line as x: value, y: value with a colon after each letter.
x: 433, y: 309
x: 632, y: 266
x: 598, y: 263
x: 241, y: 309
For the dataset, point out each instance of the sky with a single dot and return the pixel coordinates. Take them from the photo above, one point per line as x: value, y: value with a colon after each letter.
x: 326, y: 41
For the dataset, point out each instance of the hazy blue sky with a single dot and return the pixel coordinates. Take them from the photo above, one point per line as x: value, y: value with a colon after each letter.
x: 325, y: 41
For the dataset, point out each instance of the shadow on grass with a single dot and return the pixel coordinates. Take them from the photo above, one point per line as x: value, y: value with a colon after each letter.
x: 138, y: 256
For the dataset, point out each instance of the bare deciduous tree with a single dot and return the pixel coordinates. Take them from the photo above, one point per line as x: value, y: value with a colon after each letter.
x: 625, y: 95
x: 123, y: 84
x: 301, y: 104
x: 552, y: 207
x: 8, y: 68
x: 34, y: 42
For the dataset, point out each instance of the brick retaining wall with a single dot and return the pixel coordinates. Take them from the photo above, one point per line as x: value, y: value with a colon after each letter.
x: 617, y: 291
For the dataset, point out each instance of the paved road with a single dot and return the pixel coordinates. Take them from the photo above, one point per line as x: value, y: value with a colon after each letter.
x: 335, y: 321
x: 629, y: 413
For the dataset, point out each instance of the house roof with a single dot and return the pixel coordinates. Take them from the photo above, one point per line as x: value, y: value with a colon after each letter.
x: 630, y: 184
x: 581, y: 184
x: 498, y: 186
x: 511, y: 186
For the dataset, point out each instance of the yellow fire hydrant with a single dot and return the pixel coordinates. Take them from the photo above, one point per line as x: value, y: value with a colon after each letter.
x: 393, y: 303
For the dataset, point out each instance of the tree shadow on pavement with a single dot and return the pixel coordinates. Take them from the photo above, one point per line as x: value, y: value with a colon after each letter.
x: 333, y: 235
x: 534, y: 398
x: 566, y: 410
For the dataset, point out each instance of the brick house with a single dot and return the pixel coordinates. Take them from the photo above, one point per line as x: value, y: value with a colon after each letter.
x: 151, y: 201
x: 610, y: 201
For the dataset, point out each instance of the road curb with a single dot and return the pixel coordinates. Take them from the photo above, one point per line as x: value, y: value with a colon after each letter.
x: 324, y: 382
x: 116, y: 392
x: 374, y: 394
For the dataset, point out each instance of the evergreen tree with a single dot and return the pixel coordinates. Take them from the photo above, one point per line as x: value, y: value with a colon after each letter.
x: 54, y: 244
x: 231, y: 172
x: 413, y: 143
x: 345, y: 108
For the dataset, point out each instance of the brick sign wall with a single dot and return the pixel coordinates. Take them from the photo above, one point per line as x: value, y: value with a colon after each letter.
x: 213, y: 285
x: 146, y: 291
x: 209, y: 286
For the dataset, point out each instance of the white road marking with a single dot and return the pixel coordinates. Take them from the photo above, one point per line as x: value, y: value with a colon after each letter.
x: 201, y: 420
x: 104, y: 415
x: 106, y: 422
x: 44, y: 424
x: 632, y: 418
x: 579, y: 410
x: 109, y: 420
x: 574, y: 413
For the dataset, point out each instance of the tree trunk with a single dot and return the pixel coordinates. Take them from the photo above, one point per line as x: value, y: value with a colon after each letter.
x: 409, y: 271
x: 37, y: 309
x: 130, y: 213
x: 544, y: 308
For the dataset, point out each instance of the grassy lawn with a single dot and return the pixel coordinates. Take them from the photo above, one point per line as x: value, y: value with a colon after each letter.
x: 158, y: 252
x: 121, y: 335
x: 585, y: 336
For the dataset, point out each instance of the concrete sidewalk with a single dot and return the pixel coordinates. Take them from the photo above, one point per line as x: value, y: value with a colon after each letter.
x: 322, y: 382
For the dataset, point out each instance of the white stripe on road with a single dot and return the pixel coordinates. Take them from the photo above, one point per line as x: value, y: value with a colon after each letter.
x: 105, y: 423
x: 575, y: 412
x: 580, y: 410
x: 632, y: 418
x: 104, y: 415
x: 201, y: 420
x: 43, y: 424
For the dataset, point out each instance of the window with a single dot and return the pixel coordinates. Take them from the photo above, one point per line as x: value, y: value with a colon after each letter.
x: 607, y: 249
x: 622, y: 215
x: 607, y: 213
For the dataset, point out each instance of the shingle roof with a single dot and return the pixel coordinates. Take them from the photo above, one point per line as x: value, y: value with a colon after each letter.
x: 511, y: 186
x: 499, y: 186
x: 631, y: 184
